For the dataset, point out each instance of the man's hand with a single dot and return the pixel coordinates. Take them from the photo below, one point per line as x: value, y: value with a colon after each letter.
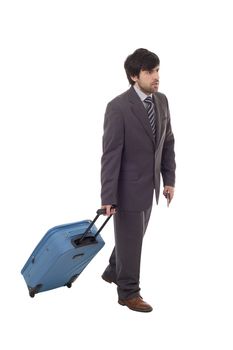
x: 109, y: 211
x: 169, y: 191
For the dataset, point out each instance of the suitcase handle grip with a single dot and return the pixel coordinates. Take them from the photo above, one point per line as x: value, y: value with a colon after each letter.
x: 102, y: 211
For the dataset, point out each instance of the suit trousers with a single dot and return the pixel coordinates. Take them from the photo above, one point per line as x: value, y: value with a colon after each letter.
x: 124, y: 262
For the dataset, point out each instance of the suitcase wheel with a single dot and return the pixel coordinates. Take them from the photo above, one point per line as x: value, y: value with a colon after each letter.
x: 73, y: 278
x: 33, y: 291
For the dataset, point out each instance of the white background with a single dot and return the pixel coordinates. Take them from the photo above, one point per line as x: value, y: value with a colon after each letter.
x: 61, y: 62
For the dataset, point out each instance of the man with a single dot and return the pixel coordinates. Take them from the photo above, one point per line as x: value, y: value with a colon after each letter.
x: 138, y: 146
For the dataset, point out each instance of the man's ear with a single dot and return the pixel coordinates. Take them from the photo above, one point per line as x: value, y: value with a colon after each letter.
x: 134, y: 78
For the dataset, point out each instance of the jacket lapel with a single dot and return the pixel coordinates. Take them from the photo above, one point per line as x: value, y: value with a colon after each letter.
x: 140, y: 113
x: 158, y: 118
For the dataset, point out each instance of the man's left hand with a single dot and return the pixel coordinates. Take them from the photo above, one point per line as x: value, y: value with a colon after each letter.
x: 170, y: 190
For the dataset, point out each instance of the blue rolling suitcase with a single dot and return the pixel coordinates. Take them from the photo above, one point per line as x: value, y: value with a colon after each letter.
x: 62, y: 254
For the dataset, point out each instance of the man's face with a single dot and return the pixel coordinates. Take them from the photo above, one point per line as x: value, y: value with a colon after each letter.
x: 148, y: 81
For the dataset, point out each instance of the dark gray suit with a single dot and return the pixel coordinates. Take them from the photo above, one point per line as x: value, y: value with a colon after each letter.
x: 132, y: 162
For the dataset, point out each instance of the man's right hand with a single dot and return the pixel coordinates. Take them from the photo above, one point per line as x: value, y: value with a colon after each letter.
x: 109, y: 209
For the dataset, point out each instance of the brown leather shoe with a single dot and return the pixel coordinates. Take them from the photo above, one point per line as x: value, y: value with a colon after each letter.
x: 136, y: 304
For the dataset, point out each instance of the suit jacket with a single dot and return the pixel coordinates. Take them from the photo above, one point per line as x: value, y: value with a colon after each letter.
x: 133, y: 158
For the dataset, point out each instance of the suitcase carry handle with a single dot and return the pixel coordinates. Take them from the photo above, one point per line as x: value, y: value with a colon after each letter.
x: 99, y: 212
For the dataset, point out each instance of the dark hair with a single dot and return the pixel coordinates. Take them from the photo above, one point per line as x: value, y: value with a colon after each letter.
x: 141, y: 59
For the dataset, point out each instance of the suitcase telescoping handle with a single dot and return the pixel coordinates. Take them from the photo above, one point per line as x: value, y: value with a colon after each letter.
x: 98, y: 213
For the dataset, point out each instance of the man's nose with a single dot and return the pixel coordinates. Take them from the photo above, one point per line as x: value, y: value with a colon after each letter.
x: 155, y: 76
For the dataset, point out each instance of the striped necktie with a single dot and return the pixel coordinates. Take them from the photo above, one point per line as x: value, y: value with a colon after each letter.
x: 151, y: 112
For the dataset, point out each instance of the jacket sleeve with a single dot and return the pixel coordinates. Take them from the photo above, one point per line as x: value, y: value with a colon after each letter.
x: 113, y: 141
x: 168, y: 164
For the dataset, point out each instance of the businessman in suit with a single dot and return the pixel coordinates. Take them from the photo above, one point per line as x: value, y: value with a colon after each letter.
x: 138, y: 147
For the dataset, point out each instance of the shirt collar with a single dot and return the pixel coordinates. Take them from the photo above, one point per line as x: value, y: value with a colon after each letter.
x: 140, y: 93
